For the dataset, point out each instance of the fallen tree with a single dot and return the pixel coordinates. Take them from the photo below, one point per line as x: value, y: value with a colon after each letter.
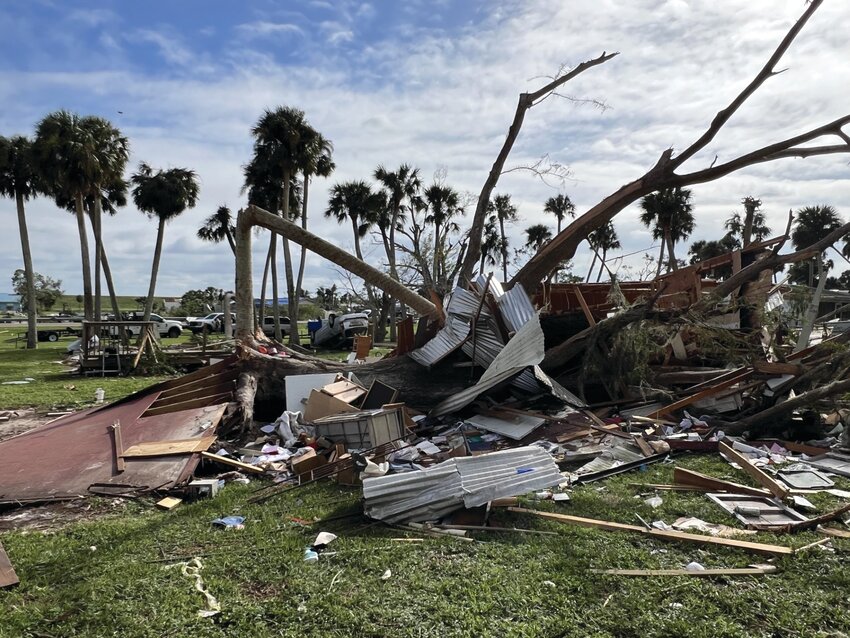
x: 664, y: 173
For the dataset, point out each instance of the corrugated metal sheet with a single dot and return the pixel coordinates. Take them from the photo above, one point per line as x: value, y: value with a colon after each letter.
x: 462, y: 482
x: 446, y: 341
x: 516, y: 307
x: 495, y: 286
x: 463, y: 303
x: 524, y: 350
x: 512, y: 426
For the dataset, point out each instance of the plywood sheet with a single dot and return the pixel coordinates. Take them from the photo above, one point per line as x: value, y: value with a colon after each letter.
x: 164, y: 448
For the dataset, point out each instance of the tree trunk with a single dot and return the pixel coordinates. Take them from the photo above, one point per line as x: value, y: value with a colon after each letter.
x: 295, y: 336
x: 504, y: 251
x: 601, y: 265
x: 231, y: 242
x: 660, y: 259
x: 29, y: 273
x: 672, y: 256
x: 275, y: 294
x: 160, y: 232
x: 261, y: 313
x: 290, y: 279
x: 383, y: 315
x: 812, y: 312
x: 254, y: 215
x: 110, y: 284
x: 88, y: 308
x: 436, y: 256
x: 592, y: 264
x: 98, y: 253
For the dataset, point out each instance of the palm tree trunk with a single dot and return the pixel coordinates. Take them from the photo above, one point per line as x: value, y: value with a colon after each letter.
x: 812, y: 312
x: 660, y: 259
x: 436, y: 255
x: 590, y: 271
x: 601, y: 264
x: 275, y: 294
x: 230, y: 240
x: 261, y: 313
x: 110, y: 284
x: 671, y: 254
x: 88, y: 309
x: 160, y: 232
x: 98, y: 254
x: 290, y: 279
x: 29, y: 273
x: 295, y: 336
x: 504, y: 251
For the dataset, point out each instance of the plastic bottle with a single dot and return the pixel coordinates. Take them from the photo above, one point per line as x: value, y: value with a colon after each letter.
x: 98, y: 395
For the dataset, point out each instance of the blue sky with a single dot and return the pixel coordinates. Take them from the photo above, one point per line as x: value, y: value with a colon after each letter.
x: 429, y: 83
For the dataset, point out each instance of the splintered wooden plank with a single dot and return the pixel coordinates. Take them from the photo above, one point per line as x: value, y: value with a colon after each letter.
x: 232, y: 463
x: 681, y: 476
x: 759, y: 548
x: 165, y: 448
x: 8, y: 577
x: 774, y: 487
x: 735, y: 571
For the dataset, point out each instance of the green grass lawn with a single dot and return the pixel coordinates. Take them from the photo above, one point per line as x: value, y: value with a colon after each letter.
x: 54, y: 387
x: 107, y: 575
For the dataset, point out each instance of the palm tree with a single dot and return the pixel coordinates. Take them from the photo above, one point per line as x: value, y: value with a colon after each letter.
x: 813, y: 222
x: 357, y: 203
x: 669, y: 213
x: 491, y: 243
x: 753, y: 226
x: 218, y: 227
x: 443, y: 205
x: 401, y: 189
x: 602, y: 239
x: 317, y: 159
x: 19, y: 181
x: 561, y: 207
x: 264, y: 185
x: 505, y: 213
x: 163, y: 194
x: 281, y: 138
x: 537, y: 236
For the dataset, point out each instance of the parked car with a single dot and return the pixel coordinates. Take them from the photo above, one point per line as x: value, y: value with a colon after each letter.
x: 213, y: 322
x: 268, y: 326
x: 165, y: 327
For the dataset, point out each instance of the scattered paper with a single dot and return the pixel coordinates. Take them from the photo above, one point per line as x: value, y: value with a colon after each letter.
x: 386, y: 575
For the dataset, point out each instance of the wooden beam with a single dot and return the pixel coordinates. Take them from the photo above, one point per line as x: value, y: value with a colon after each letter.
x: 837, y: 533
x: 681, y: 476
x: 224, y: 460
x: 174, y: 399
x: 118, y: 446
x: 776, y: 367
x: 165, y: 448
x: 202, y: 402
x: 759, y: 548
x: 227, y: 375
x: 711, y: 390
x: 774, y: 487
x: 740, y: 571
x: 587, y: 314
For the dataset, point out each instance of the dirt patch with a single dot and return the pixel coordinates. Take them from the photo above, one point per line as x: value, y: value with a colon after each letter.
x: 53, y: 516
x: 21, y: 421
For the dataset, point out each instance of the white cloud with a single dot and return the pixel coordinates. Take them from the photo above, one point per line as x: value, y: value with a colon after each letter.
x: 262, y: 28
x: 437, y: 99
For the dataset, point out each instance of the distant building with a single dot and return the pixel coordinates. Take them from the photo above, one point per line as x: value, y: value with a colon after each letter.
x: 9, y: 302
x: 170, y: 303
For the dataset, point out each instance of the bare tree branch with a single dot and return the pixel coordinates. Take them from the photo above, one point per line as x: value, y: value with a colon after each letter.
x: 525, y: 102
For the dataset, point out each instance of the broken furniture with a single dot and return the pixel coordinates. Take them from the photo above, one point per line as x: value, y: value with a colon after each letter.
x: 363, y: 430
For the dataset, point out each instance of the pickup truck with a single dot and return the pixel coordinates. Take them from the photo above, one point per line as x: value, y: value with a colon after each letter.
x: 213, y: 322
x: 165, y: 327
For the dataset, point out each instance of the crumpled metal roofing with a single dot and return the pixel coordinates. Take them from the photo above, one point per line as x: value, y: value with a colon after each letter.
x: 524, y: 350
x: 516, y: 307
x: 446, y: 341
x: 468, y: 481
